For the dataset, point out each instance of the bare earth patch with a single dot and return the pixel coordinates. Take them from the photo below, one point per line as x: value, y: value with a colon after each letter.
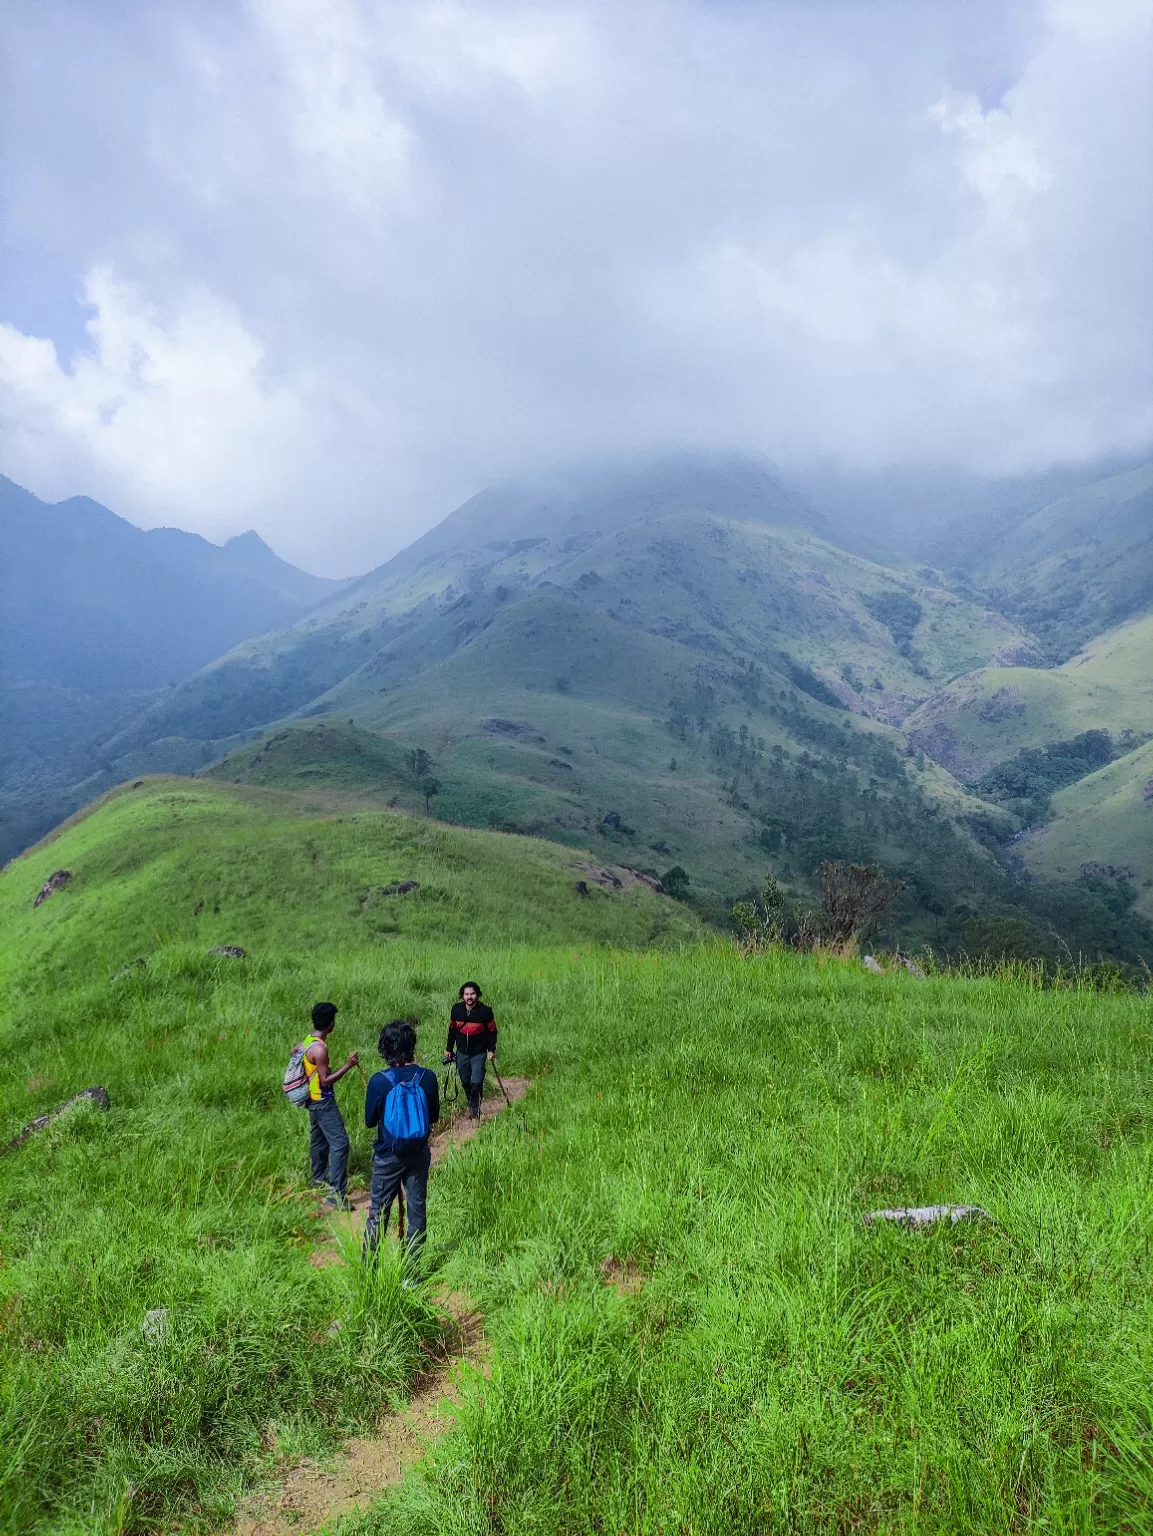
x: 311, y: 1493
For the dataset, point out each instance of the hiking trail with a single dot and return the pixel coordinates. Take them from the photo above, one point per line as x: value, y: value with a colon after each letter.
x: 311, y: 1493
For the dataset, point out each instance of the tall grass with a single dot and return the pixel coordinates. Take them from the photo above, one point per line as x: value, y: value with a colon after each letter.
x: 708, y: 1127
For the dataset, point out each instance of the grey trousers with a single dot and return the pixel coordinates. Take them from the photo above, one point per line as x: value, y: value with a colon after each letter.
x: 391, y: 1170
x: 470, y: 1070
x: 328, y: 1147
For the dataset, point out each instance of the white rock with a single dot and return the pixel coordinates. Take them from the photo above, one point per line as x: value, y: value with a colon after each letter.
x: 927, y: 1215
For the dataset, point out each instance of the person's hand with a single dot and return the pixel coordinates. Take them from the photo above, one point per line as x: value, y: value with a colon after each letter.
x: 446, y: 1058
x: 492, y: 1055
x: 353, y: 1060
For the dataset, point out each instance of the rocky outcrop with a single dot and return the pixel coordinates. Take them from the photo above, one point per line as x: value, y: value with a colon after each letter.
x: 54, y: 882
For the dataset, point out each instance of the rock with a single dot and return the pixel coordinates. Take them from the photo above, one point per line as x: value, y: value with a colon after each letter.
x: 582, y: 889
x: 98, y: 1095
x: 872, y: 965
x: 228, y: 951
x: 650, y: 880
x: 520, y: 730
x: 54, y: 882
x: 1147, y: 792
x: 155, y: 1325
x: 911, y: 966
x: 139, y: 784
x: 602, y: 877
x: 127, y: 970
x: 929, y: 1215
x: 557, y: 762
x: 400, y: 888
x: 334, y: 1328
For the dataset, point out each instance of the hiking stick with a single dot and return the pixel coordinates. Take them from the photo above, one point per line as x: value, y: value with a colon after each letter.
x: 503, y: 1089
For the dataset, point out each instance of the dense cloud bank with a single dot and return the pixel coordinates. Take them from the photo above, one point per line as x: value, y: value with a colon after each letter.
x: 325, y: 266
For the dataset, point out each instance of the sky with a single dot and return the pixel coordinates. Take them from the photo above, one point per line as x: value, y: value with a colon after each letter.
x: 324, y: 268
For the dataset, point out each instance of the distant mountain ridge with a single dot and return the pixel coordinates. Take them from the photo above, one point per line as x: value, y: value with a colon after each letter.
x: 97, y: 616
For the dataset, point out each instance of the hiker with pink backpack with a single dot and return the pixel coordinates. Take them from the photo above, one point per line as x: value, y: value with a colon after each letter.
x: 402, y: 1103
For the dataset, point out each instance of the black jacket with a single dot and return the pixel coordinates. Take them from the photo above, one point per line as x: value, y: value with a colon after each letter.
x: 471, y: 1033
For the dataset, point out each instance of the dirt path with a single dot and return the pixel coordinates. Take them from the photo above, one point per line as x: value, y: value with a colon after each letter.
x: 311, y: 1493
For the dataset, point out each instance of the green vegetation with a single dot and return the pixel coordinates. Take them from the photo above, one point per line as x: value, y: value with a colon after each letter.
x: 1072, y: 568
x: 982, y: 719
x: 691, y: 1327
x: 1102, y: 831
x: 539, y: 654
x: 1026, y: 783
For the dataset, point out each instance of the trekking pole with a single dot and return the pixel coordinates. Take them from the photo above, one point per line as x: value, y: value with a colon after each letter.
x: 503, y: 1089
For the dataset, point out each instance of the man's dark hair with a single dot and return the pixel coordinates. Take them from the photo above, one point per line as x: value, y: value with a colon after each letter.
x: 474, y: 987
x: 398, y: 1043
x: 323, y: 1015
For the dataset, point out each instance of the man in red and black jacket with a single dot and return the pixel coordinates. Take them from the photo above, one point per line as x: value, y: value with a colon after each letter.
x: 471, y: 1042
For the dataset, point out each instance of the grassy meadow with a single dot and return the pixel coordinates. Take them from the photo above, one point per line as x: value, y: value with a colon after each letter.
x: 691, y: 1328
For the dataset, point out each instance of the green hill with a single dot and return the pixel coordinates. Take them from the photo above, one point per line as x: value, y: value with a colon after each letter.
x: 1073, y: 568
x: 672, y: 668
x: 208, y: 864
x: 985, y: 717
x: 688, y: 1324
x: 1102, y: 826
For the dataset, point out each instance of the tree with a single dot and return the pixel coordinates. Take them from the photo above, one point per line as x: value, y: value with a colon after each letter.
x: 676, y: 882
x: 418, y: 763
x: 853, y: 899
x: 428, y: 789
x: 762, y: 922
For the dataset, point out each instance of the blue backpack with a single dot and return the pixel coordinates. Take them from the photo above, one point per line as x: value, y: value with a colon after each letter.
x: 406, y: 1108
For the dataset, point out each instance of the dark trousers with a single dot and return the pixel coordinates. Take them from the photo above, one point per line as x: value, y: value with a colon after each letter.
x: 328, y: 1147
x: 391, y: 1170
x: 470, y: 1070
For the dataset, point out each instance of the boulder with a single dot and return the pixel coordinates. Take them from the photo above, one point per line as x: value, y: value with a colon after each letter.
x: 228, y: 951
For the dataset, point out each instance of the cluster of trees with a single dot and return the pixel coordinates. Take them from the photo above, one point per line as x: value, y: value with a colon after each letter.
x: 1025, y: 783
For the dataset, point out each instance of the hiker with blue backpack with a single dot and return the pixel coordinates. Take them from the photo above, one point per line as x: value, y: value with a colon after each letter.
x: 402, y: 1102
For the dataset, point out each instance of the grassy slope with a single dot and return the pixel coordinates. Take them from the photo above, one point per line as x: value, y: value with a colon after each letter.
x: 1078, y: 566
x: 715, y: 1125
x: 586, y: 650
x: 1105, y: 819
x: 987, y: 716
x: 264, y: 867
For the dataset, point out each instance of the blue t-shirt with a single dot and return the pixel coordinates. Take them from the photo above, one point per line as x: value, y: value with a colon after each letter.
x: 379, y: 1088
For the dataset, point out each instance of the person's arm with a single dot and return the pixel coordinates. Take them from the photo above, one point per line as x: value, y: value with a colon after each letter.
x: 374, y: 1100
x: 450, y: 1043
x: 492, y: 1039
x: 319, y: 1058
x: 432, y: 1094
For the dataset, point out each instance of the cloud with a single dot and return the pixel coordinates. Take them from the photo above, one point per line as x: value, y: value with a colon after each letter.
x: 167, y: 403
x: 327, y: 266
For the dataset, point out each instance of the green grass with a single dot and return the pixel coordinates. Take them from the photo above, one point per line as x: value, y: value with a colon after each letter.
x: 716, y: 1125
